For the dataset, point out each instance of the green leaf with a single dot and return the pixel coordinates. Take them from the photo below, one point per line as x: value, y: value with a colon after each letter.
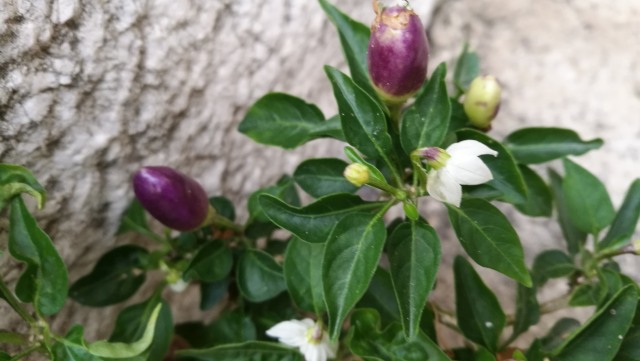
x: 507, y: 179
x: 281, y: 120
x: 363, y: 121
x: 116, y: 276
x: 630, y: 348
x: 624, y: 224
x: 46, y: 272
x: 552, y: 264
x: 467, y: 68
x: 539, y: 145
x: 590, y: 294
x: 15, y: 180
x: 588, y: 203
x: 303, y: 274
x: 125, y: 350
x: 353, y: 156
x: 484, y: 355
x: 132, y: 322
x: 539, y: 199
x: 572, y: 235
x: 253, y: 351
x: 134, y: 219
x: 72, y: 347
x: 489, y: 238
x: 601, y: 336
x: 211, y: 263
x: 350, y: 259
x: 354, y: 38
x: 369, y: 343
x: 223, y: 207
x: 414, y: 256
x: 535, y: 352
x: 323, y: 176
x: 212, y: 292
x: 527, y: 310
x: 284, y: 190
x: 480, y: 316
x: 331, y: 128
x: 314, y: 222
x: 558, y: 333
x: 425, y: 122
x: 232, y: 327
x: 259, y: 277
x: 381, y: 296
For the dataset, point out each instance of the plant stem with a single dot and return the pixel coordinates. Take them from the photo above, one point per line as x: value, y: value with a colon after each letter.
x: 15, y: 304
x: 24, y: 353
x: 143, y: 230
x: 555, y: 304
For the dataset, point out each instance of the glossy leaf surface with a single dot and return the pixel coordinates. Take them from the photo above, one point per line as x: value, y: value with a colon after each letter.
x: 323, y: 176
x: 539, y: 145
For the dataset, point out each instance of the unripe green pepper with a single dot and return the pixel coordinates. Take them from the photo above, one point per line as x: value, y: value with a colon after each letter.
x: 482, y: 101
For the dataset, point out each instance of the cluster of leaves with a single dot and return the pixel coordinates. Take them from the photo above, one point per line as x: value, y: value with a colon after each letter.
x: 330, y: 265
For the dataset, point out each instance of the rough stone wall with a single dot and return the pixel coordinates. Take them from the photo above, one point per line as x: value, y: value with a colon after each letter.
x: 90, y: 90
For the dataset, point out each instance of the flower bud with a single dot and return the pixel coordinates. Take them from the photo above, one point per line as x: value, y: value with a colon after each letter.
x: 436, y: 157
x: 482, y: 101
x: 398, y: 53
x: 171, y: 197
x: 357, y: 174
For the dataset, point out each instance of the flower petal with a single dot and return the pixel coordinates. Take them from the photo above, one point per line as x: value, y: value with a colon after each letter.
x: 442, y: 186
x: 291, y: 333
x: 468, y: 170
x: 469, y: 148
x: 312, y: 353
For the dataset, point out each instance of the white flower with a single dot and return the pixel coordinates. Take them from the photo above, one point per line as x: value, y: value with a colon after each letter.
x: 307, y: 336
x: 458, y: 165
x: 179, y: 286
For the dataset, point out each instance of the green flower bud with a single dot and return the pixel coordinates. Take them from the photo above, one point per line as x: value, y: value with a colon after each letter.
x: 436, y: 157
x: 482, y: 101
x: 357, y: 174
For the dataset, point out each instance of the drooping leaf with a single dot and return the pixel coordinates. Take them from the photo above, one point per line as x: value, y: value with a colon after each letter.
x: 314, y: 222
x: 115, y: 277
x: 46, y: 276
x: 351, y: 256
x: 281, y: 120
x: 601, y: 336
x: 539, y: 201
x: 14, y: 180
x: 366, y: 340
x: 539, y: 145
x: 425, y: 122
x: 552, y: 264
x: 489, y: 238
x: 480, y: 316
x: 624, y: 224
x: 507, y: 178
x: 253, y: 350
x: 414, y: 256
x: 212, y: 262
x: 323, y: 176
x: 588, y: 204
x: 303, y: 274
x: 572, y: 235
x: 467, y: 68
x: 259, y: 277
x: 72, y: 347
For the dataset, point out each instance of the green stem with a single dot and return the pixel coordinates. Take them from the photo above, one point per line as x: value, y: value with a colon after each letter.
x: 15, y: 304
x: 143, y: 230
x: 25, y: 353
x: 12, y: 338
x: 397, y: 193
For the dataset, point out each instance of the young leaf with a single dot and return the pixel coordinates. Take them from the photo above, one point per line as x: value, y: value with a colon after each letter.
x: 259, y: 277
x: 314, y: 222
x: 480, y: 316
x: 539, y: 198
x: 223, y: 207
x: 601, y: 336
x: 323, y: 176
x: 303, y: 274
x: 354, y: 38
x: 14, y: 180
x: 134, y: 218
x: 572, y: 235
x: 467, y: 68
x: 281, y: 120
x: 489, y: 238
x: 626, y: 219
x: 211, y: 263
x: 414, y: 257
x: 350, y: 258
x: 132, y: 322
x: 124, y: 350
x: 212, y: 292
x: 367, y: 341
x: 425, y: 122
x: 363, y: 121
x: 253, y: 350
x: 46, y: 275
x: 527, y: 310
x: 115, y: 277
x: 353, y: 156
x: 539, y: 145
x: 507, y: 179
x: 588, y: 203
x: 552, y: 264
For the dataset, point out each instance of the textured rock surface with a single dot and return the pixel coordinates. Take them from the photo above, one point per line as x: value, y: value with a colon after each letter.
x: 90, y: 90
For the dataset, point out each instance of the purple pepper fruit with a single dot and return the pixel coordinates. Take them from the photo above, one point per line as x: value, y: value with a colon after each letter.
x: 398, y: 53
x: 171, y: 197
